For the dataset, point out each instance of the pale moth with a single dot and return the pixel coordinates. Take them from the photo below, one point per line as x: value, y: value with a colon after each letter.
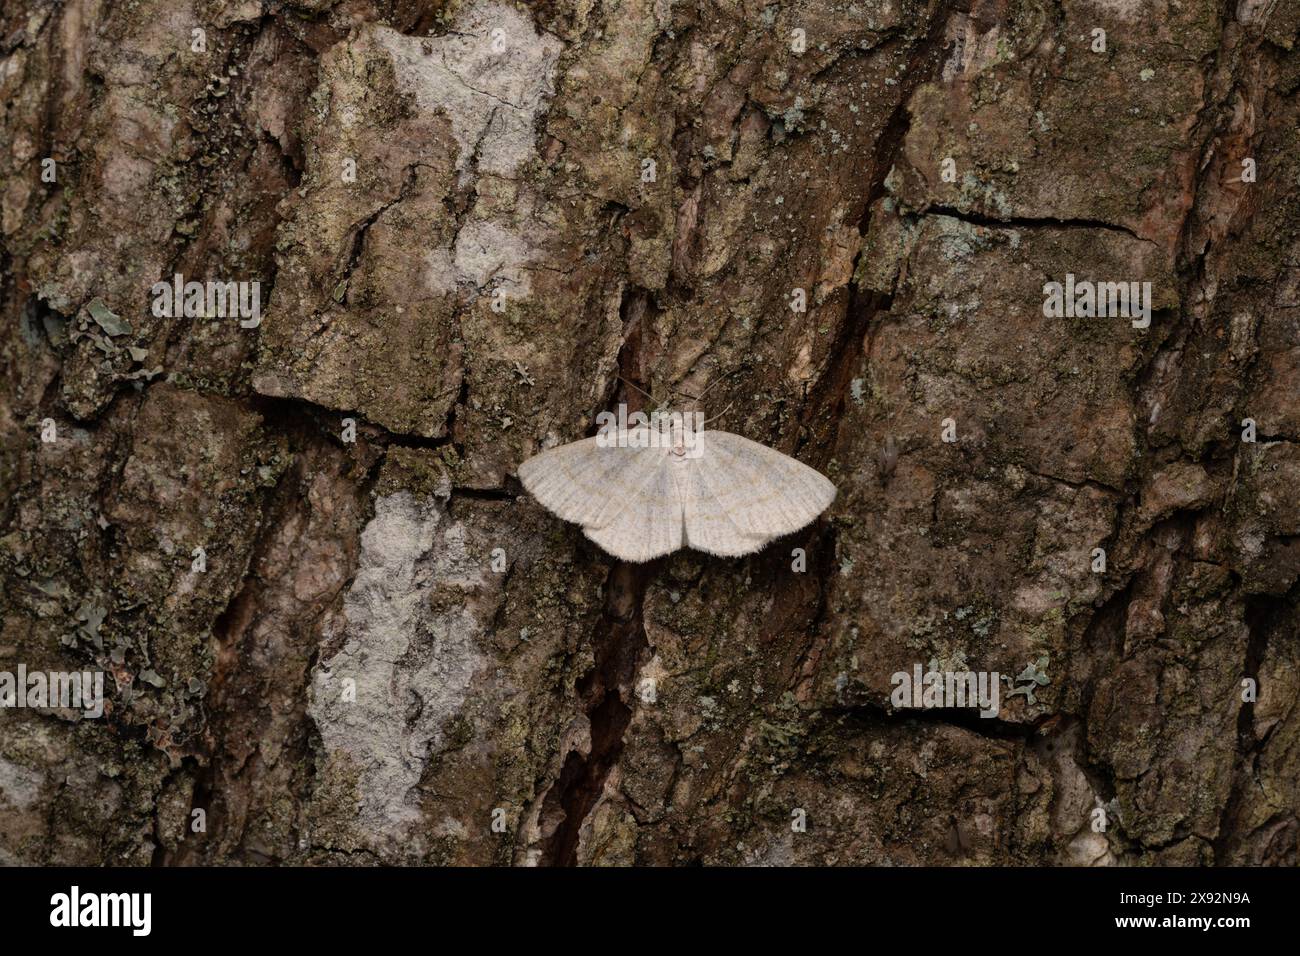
x: 667, y: 485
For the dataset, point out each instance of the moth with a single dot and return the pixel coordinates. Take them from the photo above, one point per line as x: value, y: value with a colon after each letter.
x: 664, y: 486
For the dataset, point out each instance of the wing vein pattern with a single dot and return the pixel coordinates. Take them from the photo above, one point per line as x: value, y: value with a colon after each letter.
x: 641, y: 503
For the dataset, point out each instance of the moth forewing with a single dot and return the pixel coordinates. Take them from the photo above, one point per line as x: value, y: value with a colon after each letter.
x: 644, y: 491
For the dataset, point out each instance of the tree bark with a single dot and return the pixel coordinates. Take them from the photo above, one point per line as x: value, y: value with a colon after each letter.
x: 474, y: 225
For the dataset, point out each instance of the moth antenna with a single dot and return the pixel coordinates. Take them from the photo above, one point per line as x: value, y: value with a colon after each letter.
x: 707, y: 387
x: 720, y: 414
x: 637, y: 387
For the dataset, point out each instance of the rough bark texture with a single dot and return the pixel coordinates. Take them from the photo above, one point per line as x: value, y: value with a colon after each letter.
x: 500, y: 154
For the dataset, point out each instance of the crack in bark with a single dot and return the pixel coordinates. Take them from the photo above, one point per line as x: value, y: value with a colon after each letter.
x: 965, y: 719
x: 1264, y: 614
x: 1030, y: 222
x: 360, y: 229
x: 215, y: 774
x: 829, y: 394
x: 605, y: 691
